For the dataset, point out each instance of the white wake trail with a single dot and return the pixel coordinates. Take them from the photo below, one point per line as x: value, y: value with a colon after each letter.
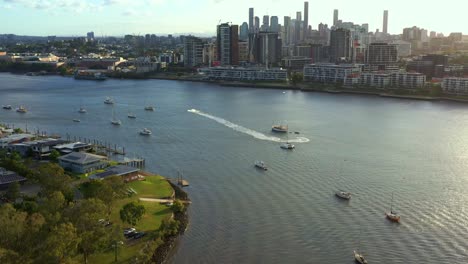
x: 247, y: 131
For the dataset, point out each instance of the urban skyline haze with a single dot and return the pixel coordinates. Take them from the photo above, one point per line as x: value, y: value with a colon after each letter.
x: 119, y: 17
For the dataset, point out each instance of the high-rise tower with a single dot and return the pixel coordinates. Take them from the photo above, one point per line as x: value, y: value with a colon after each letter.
x: 335, y: 17
x: 251, y: 20
x: 305, y: 29
x: 385, y: 22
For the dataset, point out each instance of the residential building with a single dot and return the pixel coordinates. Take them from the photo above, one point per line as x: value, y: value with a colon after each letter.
x: 8, y: 177
x: 385, y: 22
x: 193, y: 51
x: 297, y: 28
x: 72, y: 147
x: 90, y: 36
x: 335, y: 17
x: 227, y: 44
x: 375, y: 79
x: 14, y: 139
x: 382, y: 55
x: 80, y: 162
x: 455, y: 85
x: 287, y: 30
x: 403, y: 48
x: 340, y: 45
x: 128, y: 173
x: 266, y: 23
x: 274, y: 25
x: 330, y: 73
x: 296, y: 62
x: 244, y: 74
x: 38, y: 148
x: 411, y: 80
x: 244, y: 32
x: 267, y: 49
x: 305, y: 29
x: 243, y: 51
x: 251, y: 20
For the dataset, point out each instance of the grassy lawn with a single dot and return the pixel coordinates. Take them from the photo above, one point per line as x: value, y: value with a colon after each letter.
x: 154, y: 187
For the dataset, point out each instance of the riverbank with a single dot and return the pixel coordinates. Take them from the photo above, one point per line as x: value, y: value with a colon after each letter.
x: 168, y: 246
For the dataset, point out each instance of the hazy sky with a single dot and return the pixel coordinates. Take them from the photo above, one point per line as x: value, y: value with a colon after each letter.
x: 119, y: 17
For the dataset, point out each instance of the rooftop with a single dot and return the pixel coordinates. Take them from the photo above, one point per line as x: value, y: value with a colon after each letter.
x: 118, y: 170
x: 81, y: 158
x: 7, y: 177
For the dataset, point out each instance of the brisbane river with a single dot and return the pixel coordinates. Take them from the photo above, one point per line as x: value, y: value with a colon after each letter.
x: 370, y: 146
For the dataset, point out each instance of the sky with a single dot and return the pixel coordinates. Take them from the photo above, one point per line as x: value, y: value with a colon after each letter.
x: 200, y: 17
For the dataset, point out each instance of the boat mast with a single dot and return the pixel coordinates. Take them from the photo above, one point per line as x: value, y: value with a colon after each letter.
x: 391, y: 205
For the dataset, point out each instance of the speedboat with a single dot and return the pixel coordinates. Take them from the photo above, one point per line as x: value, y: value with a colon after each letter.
x: 145, y: 132
x: 261, y: 165
x: 76, y: 120
x: 116, y: 122
x: 279, y: 128
x: 359, y: 258
x: 21, y: 109
x: 7, y: 107
x: 82, y: 110
x: 109, y: 100
x: 343, y: 195
x: 287, y: 145
x: 149, y: 108
x: 393, y: 216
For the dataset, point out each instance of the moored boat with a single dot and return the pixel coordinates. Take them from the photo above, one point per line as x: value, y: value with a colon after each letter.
x: 392, y: 215
x: 145, y: 132
x: 280, y: 128
x: 343, y: 195
x: 7, y: 107
x: 82, y: 110
x: 287, y: 145
x: 21, y: 109
x: 76, y: 120
x: 149, y: 108
x: 109, y: 100
x: 359, y: 258
x: 260, y: 164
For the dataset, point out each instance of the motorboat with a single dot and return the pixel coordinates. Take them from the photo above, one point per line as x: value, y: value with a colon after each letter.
x: 261, y: 165
x: 287, y: 145
x: 149, y: 108
x: 131, y: 115
x: 82, y: 110
x: 392, y: 215
x: 359, y: 258
x: 145, y: 132
x: 7, y: 107
x: 343, y: 195
x: 280, y: 128
x: 116, y: 122
x: 76, y: 120
x: 109, y: 100
x: 21, y: 109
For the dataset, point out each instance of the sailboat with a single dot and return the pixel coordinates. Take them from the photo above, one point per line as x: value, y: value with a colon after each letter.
x: 114, y: 121
x: 358, y: 257
x: 392, y: 215
x: 82, y: 109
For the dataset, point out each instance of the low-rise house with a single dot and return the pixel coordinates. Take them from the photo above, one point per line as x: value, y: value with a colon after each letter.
x: 9, y: 177
x: 37, y: 148
x: 14, y: 138
x: 73, y: 147
x: 126, y: 172
x: 80, y: 162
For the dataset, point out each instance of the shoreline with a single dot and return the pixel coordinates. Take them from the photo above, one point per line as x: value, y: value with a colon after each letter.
x: 167, y: 248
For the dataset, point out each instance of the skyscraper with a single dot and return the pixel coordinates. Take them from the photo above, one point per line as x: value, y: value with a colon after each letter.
x: 244, y: 31
x: 335, y: 17
x: 340, y: 45
x: 256, y: 24
x: 385, y: 22
x: 251, y: 20
x: 266, y: 23
x: 274, y: 25
x: 306, y: 21
x: 227, y: 44
x: 297, y: 28
x: 287, y: 30
x: 193, y: 51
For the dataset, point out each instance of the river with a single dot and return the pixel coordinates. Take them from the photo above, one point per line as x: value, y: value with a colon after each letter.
x: 373, y: 147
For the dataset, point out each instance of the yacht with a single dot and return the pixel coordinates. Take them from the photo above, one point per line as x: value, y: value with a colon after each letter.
x: 149, y: 108
x: 116, y: 122
x: 359, y: 258
x: 261, y: 165
x: 131, y: 115
x: 109, y: 100
x: 76, y: 120
x: 21, y: 109
x: 145, y: 132
x: 279, y: 128
x: 287, y: 145
x: 7, y: 107
x: 82, y: 110
x: 343, y: 195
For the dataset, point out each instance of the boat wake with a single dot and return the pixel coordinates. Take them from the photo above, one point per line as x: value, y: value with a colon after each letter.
x: 247, y: 131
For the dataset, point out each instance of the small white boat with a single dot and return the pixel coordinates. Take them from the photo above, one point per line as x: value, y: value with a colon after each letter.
x: 7, y: 107
x: 145, y: 132
x: 343, y: 195
x: 287, y: 145
x: 392, y: 215
x: 116, y: 122
x: 109, y: 100
x: 359, y: 258
x: 82, y: 110
x: 21, y: 109
x: 260, y: 164
x: 131, y: 115
x: 149, y: 108
x: 76, y: 120
x: 279, y: 128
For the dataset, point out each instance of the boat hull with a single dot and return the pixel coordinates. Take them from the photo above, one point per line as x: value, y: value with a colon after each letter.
x: 279, y: 130
x: 392, y: 217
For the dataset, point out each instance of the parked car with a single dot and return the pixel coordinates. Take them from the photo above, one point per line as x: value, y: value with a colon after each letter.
x: 139, y: 235
x: 129, y: 230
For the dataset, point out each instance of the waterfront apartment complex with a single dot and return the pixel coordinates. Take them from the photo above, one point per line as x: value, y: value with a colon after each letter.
x: 244, y: 74
x: 330, y: 73
x: 193, y: 51
x: 455, y: 85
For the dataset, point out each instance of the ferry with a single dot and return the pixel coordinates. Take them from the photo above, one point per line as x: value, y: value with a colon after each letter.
x: 279, y: 128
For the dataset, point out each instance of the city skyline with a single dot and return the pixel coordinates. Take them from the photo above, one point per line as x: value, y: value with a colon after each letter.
x: 119, y: 17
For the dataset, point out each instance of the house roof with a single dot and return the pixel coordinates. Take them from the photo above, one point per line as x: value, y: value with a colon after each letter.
x: 7, y: 177
x: 74, y: 145
x: 81, y: 158
x: 119, y: 170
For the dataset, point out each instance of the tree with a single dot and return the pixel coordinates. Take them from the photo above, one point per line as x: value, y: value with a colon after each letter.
x: 62, y: 243
x: 296, y: 77
x: 131, y: 213
x: 53, y: 178
x: 169, y: 227
x: 54, y: 155
x: 178, y: 206
x: 13, y: 191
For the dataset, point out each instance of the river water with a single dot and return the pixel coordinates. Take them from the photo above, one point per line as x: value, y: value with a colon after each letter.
x: 373, y: 147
